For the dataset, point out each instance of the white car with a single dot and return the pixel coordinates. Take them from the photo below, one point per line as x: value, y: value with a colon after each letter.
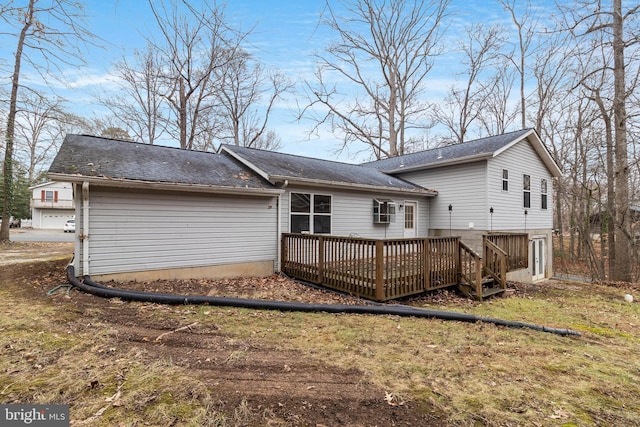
x: 70, y: 226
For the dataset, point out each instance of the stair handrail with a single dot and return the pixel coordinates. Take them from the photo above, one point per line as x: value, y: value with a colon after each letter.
x: 473, y: 278
x: 495, y: 262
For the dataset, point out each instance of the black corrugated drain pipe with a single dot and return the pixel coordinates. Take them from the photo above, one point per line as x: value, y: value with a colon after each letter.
x: 89, y: 286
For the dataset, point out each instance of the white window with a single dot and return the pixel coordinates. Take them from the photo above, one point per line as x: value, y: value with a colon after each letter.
x: 505, y: 180
x: 310, y: 213
x: 526, y: 188
x: 543, y: 194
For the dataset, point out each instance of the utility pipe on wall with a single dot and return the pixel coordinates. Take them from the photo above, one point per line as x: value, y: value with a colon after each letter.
x: 84, y: 235
x: 279, y: 227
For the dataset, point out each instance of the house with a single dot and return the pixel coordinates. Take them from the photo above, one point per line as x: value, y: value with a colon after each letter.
x: 147, y: 211
x: 51, y: 205
x: 502, y: 183
x: 325, y: 197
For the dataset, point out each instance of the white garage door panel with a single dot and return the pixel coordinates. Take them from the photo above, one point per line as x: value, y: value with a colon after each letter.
x: 55, y: 219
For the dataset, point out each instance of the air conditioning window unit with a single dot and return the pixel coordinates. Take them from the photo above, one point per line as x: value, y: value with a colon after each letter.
x: 384, y: 211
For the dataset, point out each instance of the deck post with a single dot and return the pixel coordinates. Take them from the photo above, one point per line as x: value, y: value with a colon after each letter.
x: 426, y: 248
x: 484, y: 252
x: 478, y: 278
x: 283, y: 252
x: 321, y: 260
x: 503, y: 272
x: 379, y: 262
x: 458, y: 261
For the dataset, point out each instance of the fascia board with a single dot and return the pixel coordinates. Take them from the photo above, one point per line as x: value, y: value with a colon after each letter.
x: 539, y: 148
x: 343, y: 185
x: 456, y: 161
x: 166, y: 186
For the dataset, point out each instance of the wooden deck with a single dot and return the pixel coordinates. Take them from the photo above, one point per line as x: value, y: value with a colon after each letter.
x: 386, y: 269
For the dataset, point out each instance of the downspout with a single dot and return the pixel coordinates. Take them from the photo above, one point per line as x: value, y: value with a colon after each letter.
x: 278, y: 233
x: 279, y: 227
x: 84, y: 235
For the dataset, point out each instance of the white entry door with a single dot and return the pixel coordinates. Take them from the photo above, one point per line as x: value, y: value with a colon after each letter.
x: 410, y: 219
x: 537, y: 259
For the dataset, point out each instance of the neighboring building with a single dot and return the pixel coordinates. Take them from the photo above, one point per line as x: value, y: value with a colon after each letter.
x: 148, y: 211
x: 51, y: 205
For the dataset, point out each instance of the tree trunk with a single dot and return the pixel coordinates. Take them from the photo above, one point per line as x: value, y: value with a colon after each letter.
x: 11, y: 121
x: 623, y: 221
x: 611, y: 206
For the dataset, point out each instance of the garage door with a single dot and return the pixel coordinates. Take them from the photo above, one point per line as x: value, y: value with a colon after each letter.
x: 55, y: 218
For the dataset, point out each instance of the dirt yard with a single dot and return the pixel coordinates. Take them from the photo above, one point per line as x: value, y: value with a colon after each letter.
x: 281, y: 387
x: 120, y: 363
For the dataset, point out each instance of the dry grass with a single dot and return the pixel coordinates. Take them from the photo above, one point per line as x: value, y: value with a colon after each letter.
x: 470, y: 374
x: 480, y: 374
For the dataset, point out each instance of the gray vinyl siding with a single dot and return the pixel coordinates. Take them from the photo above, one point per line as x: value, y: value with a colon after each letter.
x: 508, y: 206
x: 464, y: 187
x: 140, y: 231
x: 352, y: 213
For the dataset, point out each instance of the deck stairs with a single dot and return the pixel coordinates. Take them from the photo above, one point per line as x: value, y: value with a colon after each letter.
x: 482, y: 276
x: 490, y: 287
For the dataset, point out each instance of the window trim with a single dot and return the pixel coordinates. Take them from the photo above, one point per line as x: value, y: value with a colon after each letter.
x: 505, y: 180
x: 526, y: 191
x: 311, y: 214
x: 544, y: 191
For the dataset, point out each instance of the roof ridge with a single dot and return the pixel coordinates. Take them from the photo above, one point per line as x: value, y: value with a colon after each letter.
x: 299, y: 156
x: 85, y: 135
x: 524, y: 130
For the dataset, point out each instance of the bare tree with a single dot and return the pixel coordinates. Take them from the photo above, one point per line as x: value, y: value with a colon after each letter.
x: 46, y: 36
x: 370, y: 82
x: 591, y: 22
x: 246, y: 95
x: 466, y: 102
x: 498, y: 115
x: 526, y: 28
x: 37, y: 132
x: 195, y: 43
x: 139, y: 107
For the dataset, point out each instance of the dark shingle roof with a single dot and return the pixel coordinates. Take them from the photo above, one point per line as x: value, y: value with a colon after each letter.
x: 471, y: 149
x: 278, y: 166
x: 90, y: 156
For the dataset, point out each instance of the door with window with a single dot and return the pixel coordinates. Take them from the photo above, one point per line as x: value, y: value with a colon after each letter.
x: 410, y: 219
x: 537, y: 259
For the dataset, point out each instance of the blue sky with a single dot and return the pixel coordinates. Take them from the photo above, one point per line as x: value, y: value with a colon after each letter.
x: 286, y: 33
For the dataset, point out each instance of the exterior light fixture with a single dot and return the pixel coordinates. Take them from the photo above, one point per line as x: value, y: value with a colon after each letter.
x: 491, y: 212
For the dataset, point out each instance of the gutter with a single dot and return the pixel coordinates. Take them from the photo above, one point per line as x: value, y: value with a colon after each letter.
x: 449, y: 162
x: 377, y: 188
x: 146, y: 185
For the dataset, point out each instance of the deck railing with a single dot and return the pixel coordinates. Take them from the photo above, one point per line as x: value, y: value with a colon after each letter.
x: 372, y: 268
x: 386, y: 269
x: 516, y: 246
